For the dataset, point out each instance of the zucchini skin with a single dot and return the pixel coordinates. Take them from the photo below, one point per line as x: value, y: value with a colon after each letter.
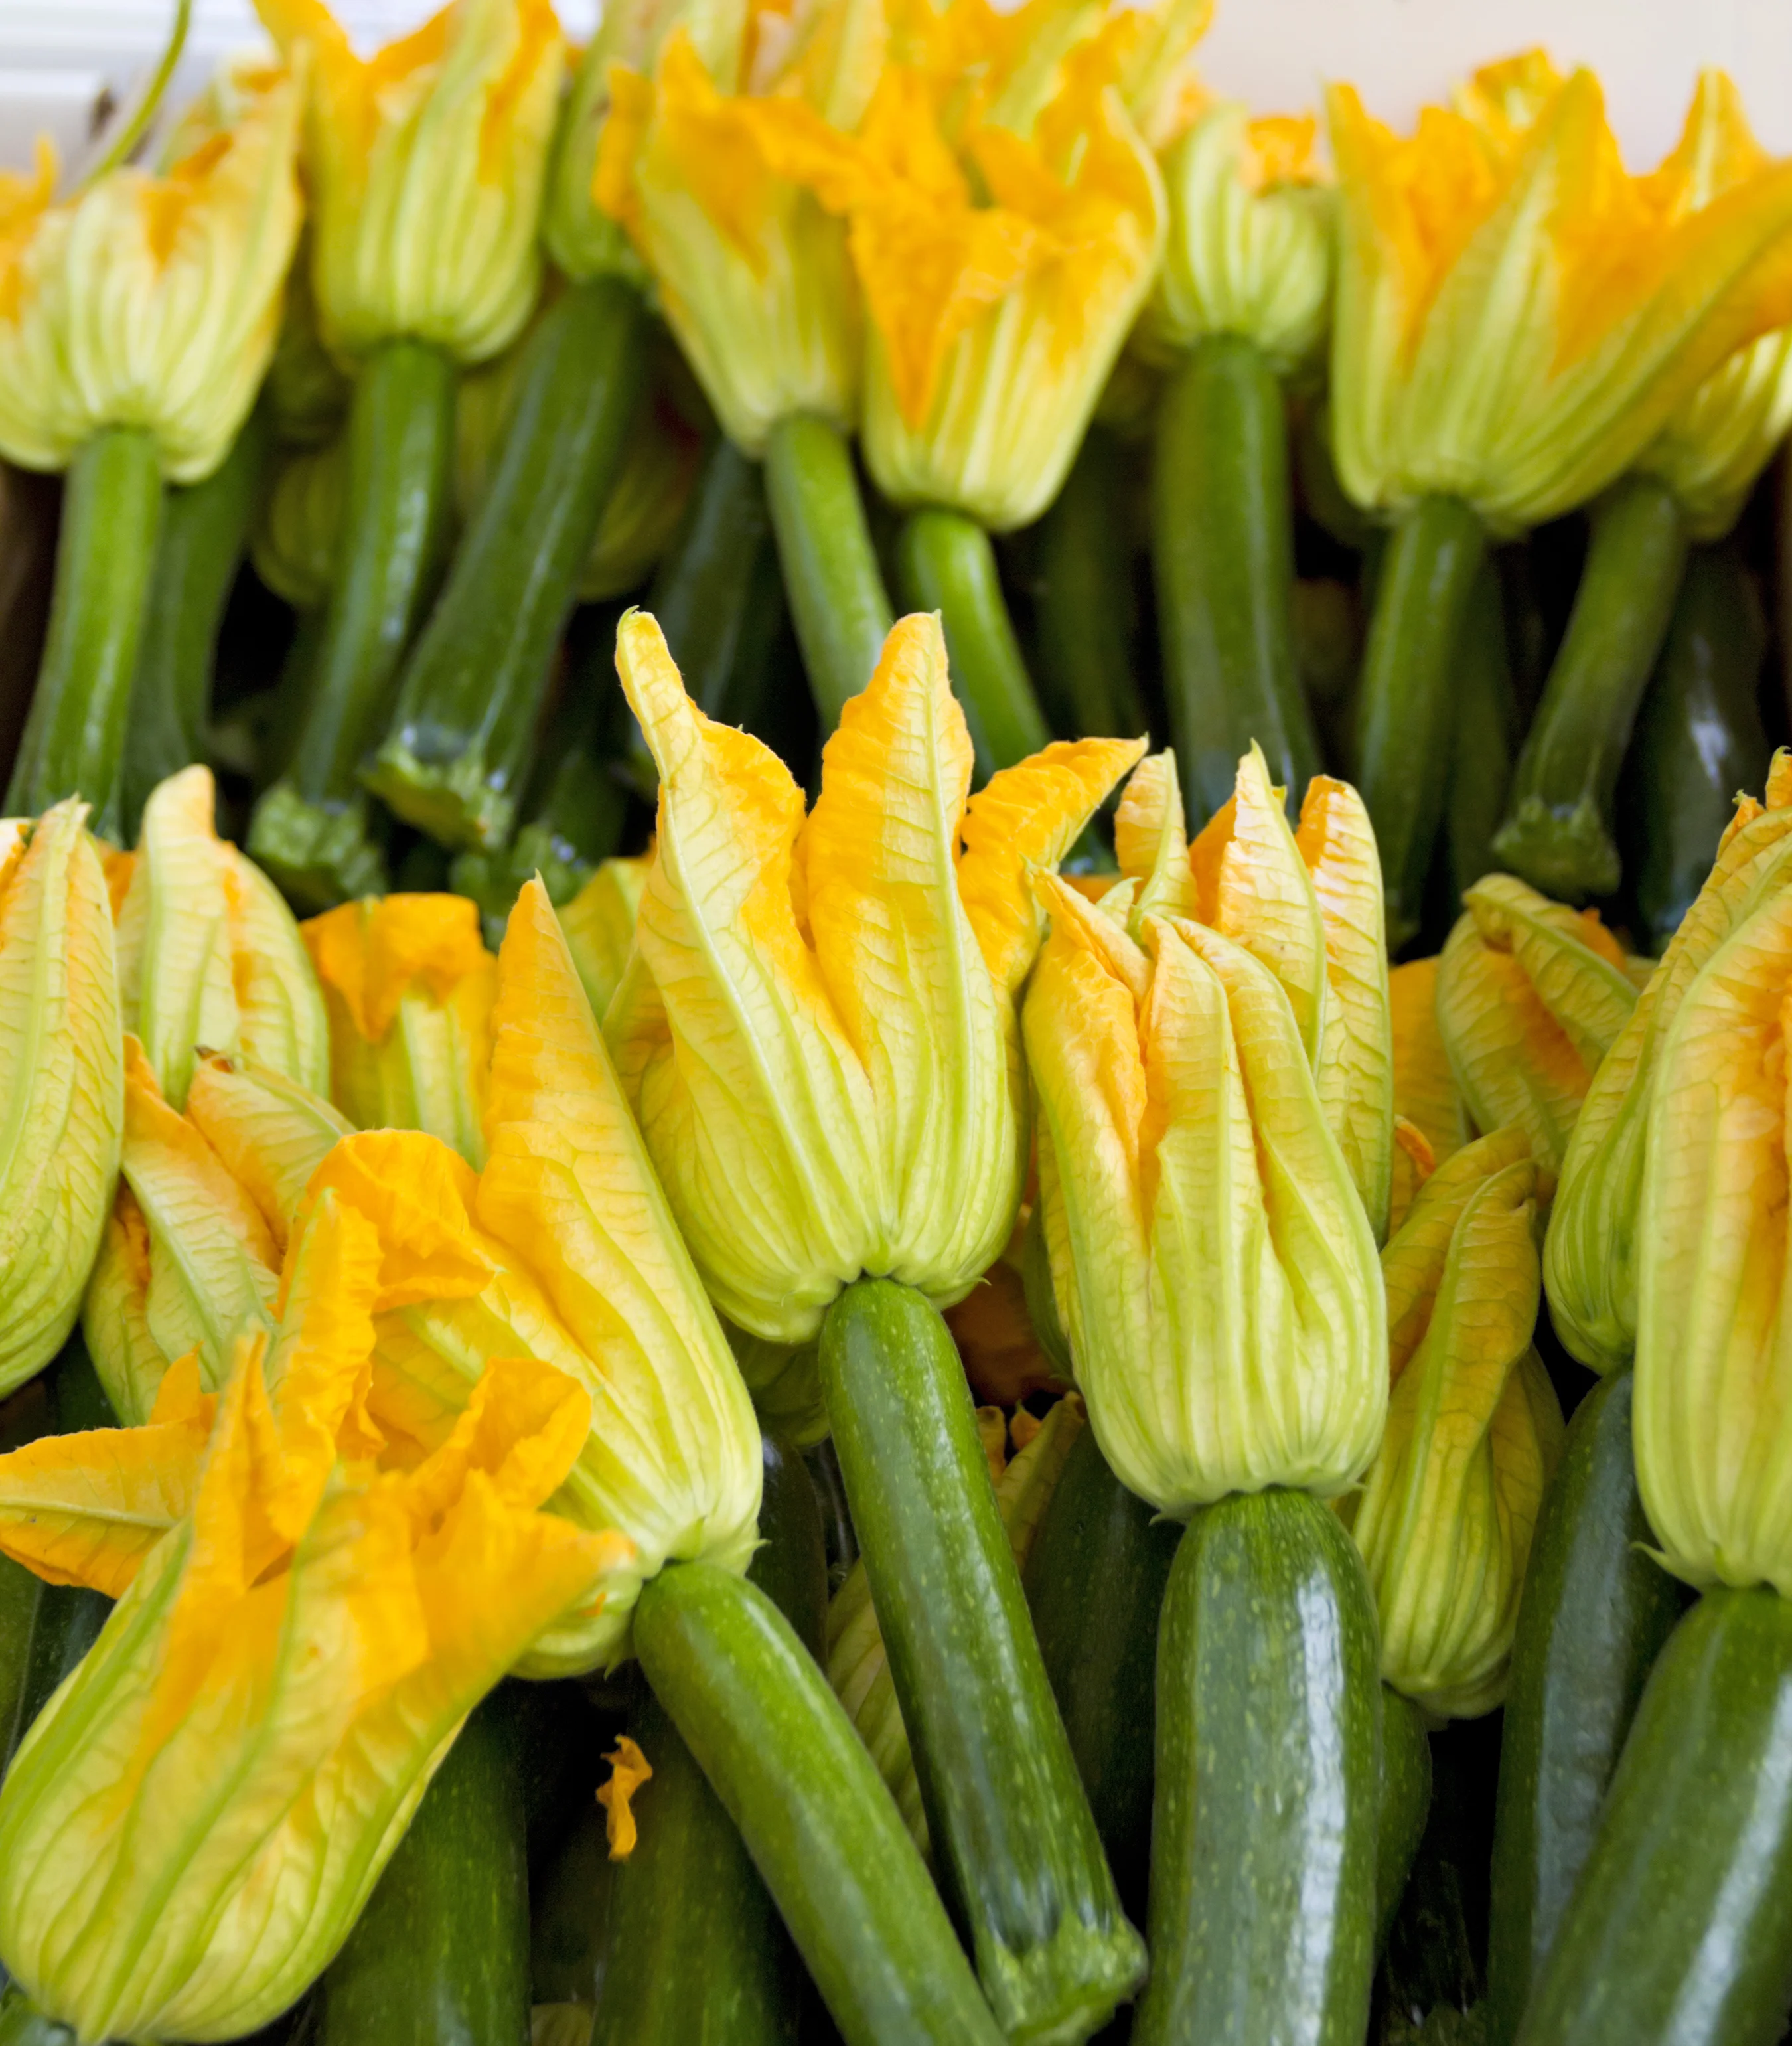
x: 1095, y: 1581
x: 1263, y: 1826
x: 1404, y: 1804
x: 1595, y: 1612
x: 1020, y: 1860
x: 440, y: 1956
x: 1679, y: 1932
x: 1084, y: 603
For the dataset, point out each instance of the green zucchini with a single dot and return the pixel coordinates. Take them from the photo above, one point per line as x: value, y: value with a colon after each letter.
x: 1486, y: 733
x: 756, y: 1710
x: 1083, y: 601
x: 1424, y: 588
x: 1018, y: 1854
x: 790, y: 1565
x: 73, y: 738
x: 313, y: 829
x: 569, y: 1916
x: 1223, y: 552
x: 1594, y: 1614
x: 1263, y: 1827
x: 1404, y: 1806
x: 945, y: 563
x: 1680, y: 1929
x: 1558, y: 831
x: 440, y: 1956
x: 1699, y: 738
x: 456, y: 754
x: 1094, y: 1582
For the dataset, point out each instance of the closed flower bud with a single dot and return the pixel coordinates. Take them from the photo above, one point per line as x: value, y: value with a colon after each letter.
x: 600, y: 926
x: 817, y: 1029
x: 1449, y: 1507
x: 1431, y: 1118
x: 409, y: 987
x: 61, y: 1080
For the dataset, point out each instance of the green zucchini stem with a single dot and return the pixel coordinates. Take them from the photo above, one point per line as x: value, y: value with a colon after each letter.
x: 824, y: 1833
x: 1085, y: 601
x: 1407, y: 702
x: 1222, y: 551
x: 1020, y: 1857
x: 74, y: 740
x: 457, y: 751
x: 837, y: 600
x: 945, y: 563
x: 314, y: 829
x: 1558, y: 831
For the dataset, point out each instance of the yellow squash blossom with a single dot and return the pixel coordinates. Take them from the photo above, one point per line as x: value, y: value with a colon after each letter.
x: 61, y: 1080
x: 1448, y: 1508
x: 1531, y: 997
x: 209, y: 955
x: 818, y: 1028
x: 1592, y: 1256
x: 600, y: 926
x: 151, y: 301
x: 1211, y: 1260
x: 191, y: 1827
x: 752, y: 275
x: 425, y: 165
x: 409, y: 987
x: 1517, y: 317
x: 1431, y: 1118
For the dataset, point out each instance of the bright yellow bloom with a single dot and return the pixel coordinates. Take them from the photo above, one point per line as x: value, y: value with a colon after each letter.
x: 151, y: 301
x: 1531, y: 996
x: 61, y: 1080
x: 818, y: 1030
x: 208, y: 955
x: 629, y: 1770
x: 1431, y: 1122
x: 1447, y: 1511
x: 409, y: 986
x: 752, y: 277
x: 192, y: 1254
x: 1249, y: 250
x: 1212, y: 1263
x: 1517, y: 317
x: 1590, y: 1257
x: 193, y: 1823
x: 600, y: 926
x: 425, y: 165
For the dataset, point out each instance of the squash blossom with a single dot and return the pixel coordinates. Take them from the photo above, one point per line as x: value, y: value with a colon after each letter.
x: 193, y: 1248
x: 1531, y: 996
x: 818, y: 1030
x: 1211, y: 1258
x: 61, y: 1080
x: 209, y: 955
x: 1431, y: 1118
x: 598, y: 923
x: 1592, y: 1254
x: 409, y: 987
x: 191, y: 1826
x: 1448, y: 1508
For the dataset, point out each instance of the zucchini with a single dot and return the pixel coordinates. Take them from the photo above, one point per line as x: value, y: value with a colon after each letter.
x: 1018, y: 1854
x: 1095, y: 1581
x: 1680, y: 1928
x: 702, y: 593
x: 1223, y: 552
x: 440, y: 1956
x: 569, y: 1916
x: 1486, y: 733
x: 1264, y: 1822
x: 1404, y: 1806
x: 1594, y: 1615
x: 1084, y: 601
x: 456, y: 756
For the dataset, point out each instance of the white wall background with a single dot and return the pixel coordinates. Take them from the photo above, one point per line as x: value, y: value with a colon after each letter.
x: 56, y: 55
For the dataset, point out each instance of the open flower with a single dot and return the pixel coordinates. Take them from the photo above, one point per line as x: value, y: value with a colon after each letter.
x: 425, y: 165
x: 409, y: 987
x: 1449, y: 1507
x: 1593, y: 1251
x: 193, y: 1823
x: 818, y: 1030
x: 208, y: 956
x: 61, y: 1079
x: 148, y: 300
x: 1517, y: 317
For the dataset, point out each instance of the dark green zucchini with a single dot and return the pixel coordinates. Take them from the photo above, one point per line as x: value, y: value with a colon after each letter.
x: 455, y: 757
x: 1263, y: 1827
x: 1486, y: 733
x: 440, y: 1956
x: 1404, y: 1806
x: 1020, y: 1859
x: 1094, y: 1582
x: 1223, y: 553
x: 790, y: 1565
x: 1680, y: 1929
x: 1083, y: 601
x: 702, y: 591
x: 1594, y: 1614
x: 569, y: 1916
